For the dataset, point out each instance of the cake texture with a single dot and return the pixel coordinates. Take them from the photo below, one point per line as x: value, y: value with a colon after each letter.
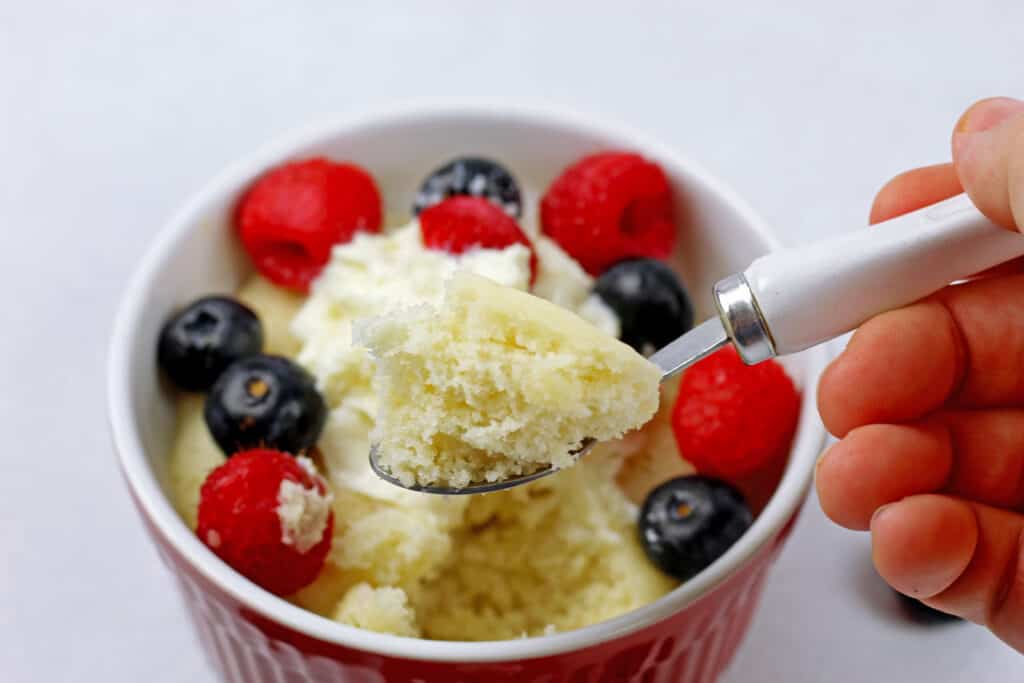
x: 550, y: 556
x: 496, y: 382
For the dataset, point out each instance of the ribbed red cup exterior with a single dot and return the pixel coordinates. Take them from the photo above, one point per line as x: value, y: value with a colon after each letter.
x: 694, y: 645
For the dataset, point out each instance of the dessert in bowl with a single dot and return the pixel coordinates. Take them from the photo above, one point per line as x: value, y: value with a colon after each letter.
x: 554, y: 577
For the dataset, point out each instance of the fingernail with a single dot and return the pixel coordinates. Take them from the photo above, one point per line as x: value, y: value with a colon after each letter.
x: 968, y: 136
x: 987, y: 114
x: 878, y: 514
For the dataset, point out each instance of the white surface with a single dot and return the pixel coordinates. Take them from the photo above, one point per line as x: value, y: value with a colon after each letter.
x: 806, y: 109
x: 804, y: 290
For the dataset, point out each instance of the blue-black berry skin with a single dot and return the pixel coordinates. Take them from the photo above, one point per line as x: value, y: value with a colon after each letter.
x: 198, y: 343
x: 689, y: 522
x: 265, y: 402
x: 650, y: 301
x: 474, y: 177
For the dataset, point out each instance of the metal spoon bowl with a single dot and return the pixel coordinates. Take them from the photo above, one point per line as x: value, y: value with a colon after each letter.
x: 476, y: 487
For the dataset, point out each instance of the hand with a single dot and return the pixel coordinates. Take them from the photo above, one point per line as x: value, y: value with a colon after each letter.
x: 928, y: 402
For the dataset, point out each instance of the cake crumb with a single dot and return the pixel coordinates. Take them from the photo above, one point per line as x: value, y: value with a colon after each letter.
x: 303, y: 513
x: 384, y: 609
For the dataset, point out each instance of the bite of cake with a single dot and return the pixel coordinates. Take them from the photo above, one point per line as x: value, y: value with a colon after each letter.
x: 497, y: 383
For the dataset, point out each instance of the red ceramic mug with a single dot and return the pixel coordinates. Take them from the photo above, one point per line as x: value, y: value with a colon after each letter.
x: 251, y: 636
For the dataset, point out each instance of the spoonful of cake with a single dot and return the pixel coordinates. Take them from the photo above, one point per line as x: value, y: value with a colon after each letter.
x: 495, y: 388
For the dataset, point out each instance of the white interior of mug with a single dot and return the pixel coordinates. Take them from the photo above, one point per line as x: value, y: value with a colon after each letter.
x: 197, y: 254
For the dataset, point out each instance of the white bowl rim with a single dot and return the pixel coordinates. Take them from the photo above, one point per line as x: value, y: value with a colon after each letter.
x: 141, y: 479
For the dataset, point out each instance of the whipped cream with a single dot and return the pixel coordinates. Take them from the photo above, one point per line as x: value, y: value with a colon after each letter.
x: 562, y: 281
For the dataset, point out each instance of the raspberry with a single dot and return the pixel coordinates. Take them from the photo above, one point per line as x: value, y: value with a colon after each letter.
x: 732, y: 419
x: 608, y: 207
x: 267, y: 515
x: 460, y: 223
x: 292, y: 216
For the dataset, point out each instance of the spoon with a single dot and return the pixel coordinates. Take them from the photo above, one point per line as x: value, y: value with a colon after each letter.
x: 795, y: 298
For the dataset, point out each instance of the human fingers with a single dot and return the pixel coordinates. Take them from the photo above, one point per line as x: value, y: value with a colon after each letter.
x: 922, y: 187
x: 961, y: 557
x: 973, y: 454
x: 915, y: 189
x: 964, y: 345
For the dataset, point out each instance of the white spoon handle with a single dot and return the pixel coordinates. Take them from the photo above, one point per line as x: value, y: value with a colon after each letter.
x: 810, y: 294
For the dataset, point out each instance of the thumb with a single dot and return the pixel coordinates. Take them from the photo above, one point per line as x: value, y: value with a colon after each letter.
x: 988, y: 154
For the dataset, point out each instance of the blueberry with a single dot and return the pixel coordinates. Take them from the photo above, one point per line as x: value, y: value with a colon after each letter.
x: 689, y: 522
x: 197, y: 344
x: 265, y: 401
x: 924, y: 614
x: 651, y: 303
x: 471, y: 176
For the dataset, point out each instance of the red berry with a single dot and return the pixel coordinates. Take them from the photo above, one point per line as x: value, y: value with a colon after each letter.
x: 460, y: 223
x: 269, y: 517
x: 608, y: 207
x: 732, y: 419
x: 292, y: 216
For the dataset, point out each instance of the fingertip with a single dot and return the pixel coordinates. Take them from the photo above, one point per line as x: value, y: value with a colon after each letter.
x: 897, y: 367
x: 986, y: 114
x: 879, y: 464
x: 921, y: 545
x: 841, y: 404
x: 830, y: 473
x: 831, y: 407
x: 988, y: 144
x: 914, y: 189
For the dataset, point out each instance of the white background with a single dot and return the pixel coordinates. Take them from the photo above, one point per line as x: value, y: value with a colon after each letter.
x: 112, y: 113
